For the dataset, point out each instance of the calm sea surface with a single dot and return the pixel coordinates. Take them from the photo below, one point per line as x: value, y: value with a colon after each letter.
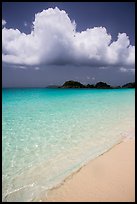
x: 49, y: 133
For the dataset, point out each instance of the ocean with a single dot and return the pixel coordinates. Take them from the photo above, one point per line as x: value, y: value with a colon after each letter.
x: 47, y: 134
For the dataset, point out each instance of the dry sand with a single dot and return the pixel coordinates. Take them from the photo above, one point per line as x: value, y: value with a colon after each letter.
x: 110, y: 177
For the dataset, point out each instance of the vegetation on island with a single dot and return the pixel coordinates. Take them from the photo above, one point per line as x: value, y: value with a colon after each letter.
x: 72, y: 84
x: 129, y: 85
x: 99, y: 85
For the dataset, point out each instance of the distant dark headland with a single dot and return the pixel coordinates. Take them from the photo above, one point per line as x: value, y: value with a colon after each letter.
x: 99, y: 85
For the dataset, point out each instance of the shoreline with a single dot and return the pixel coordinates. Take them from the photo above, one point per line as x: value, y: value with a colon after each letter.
x: 109, y: 177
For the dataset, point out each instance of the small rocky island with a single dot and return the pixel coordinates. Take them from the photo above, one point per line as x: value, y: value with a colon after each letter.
x: 72, y: 84
x: 129, y: 85
x: 99, y: 85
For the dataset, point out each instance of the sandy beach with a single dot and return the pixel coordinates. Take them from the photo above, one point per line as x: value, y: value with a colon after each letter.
x: 110, y: 177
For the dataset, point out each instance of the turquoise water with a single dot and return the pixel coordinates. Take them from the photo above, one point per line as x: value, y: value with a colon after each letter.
x: 49, y: 133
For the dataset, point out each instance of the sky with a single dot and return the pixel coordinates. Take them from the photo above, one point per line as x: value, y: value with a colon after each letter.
x: 47, y: 43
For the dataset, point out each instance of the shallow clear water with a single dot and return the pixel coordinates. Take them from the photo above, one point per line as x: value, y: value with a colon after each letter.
x: 49, y: 133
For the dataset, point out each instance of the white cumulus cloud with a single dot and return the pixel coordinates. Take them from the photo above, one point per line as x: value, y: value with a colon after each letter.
x: 25, y: 24
x: 54, y: 40
x: 3, y: 22
x: 132, y: 70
